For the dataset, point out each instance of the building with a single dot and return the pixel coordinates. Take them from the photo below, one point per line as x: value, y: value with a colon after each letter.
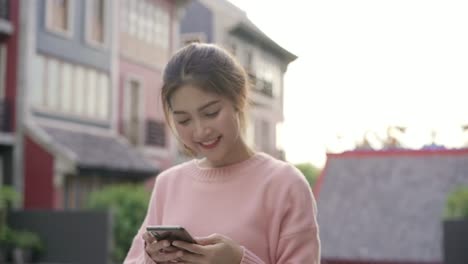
x: 386, y: 207
x: 85, y: 92
x: 148, y: 35
x: 9, y: 25
x: 265, y: 61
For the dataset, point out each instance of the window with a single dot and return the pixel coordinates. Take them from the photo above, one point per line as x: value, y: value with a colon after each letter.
x: 70, y: 89
x: 132, y: 111
x: 97, y: 18
x: 155, y: 133
x: 66, y: 86
x: 2, y: 70
x: 146, y: 21
x: 249, y: 61
x: 267, y: 75
x: 37, y: 90
x: 71, y: 192
x: 59, y: 16
x: 91, y: 91
x: 79, y: 89
x: 52, y: 87
x: 103, y: 97
x: 124, y: 16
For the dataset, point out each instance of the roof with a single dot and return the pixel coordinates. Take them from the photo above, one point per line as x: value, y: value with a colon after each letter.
x: 251, y: 32
x: 387, y: 205
x: 104, y: 154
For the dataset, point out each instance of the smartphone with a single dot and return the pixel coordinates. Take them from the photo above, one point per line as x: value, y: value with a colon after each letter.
x: 171, y: 233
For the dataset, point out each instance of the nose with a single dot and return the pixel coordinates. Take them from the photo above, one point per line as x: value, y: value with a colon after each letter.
x: 202, y: 131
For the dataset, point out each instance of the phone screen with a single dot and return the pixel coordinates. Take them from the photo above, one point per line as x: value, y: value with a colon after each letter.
x: 171, y: 233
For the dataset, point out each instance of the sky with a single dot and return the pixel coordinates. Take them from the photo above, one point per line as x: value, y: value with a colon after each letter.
x: 365, y: 65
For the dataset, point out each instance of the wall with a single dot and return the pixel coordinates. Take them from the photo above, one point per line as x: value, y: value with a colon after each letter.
x: 38, y: 177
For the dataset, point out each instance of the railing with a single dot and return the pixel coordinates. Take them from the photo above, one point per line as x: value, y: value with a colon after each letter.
x: 260, y: 85
x: 155, y: 133
x: 5, y: 116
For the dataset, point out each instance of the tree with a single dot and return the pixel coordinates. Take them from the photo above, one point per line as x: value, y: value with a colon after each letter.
x: 310, y: 172
x: 456, y: 206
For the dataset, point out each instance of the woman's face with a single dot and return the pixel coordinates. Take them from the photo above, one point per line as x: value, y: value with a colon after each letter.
x: 208, y: 124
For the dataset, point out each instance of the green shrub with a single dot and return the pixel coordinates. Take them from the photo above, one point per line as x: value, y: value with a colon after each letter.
x: 7, y: 239
x: 310, y: 172
x: 11, y: 238
x: 128, y: 204
x: 457, y: 204
x: 8, y: 197
x: 27, y: 240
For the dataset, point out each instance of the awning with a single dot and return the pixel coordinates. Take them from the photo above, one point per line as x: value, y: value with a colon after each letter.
x: 107, y: 155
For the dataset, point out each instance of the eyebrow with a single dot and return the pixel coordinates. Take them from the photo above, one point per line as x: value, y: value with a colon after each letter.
x: 178, y: 112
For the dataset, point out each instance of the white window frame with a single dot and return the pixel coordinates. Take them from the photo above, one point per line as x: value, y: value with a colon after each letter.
x: 79, y: 107
x: 141, y: 108
x: 63, y: 86
x: 103, y: 103
x: 68, y: 33
x: 91, y: 85
x: 88, y: 27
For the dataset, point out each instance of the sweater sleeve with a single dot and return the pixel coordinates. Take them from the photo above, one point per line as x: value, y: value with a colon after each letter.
x: 299, y: 240
x: 250, y: 258
x: 137, y: 253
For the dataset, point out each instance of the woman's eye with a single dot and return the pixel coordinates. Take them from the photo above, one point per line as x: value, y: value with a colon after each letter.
x: 184, y: 122
x: 212, y: 114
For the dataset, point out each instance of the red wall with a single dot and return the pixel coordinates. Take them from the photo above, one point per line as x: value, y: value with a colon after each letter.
x: 38, y: 177
x: 12, y: 63
x: 342, y: 261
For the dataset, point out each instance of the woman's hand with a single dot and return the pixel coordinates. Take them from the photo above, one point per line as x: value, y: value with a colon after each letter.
x: 213, y: 249
x: 161, y: 251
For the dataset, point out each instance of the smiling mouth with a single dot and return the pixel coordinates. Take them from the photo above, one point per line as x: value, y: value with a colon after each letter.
x: 211, y: 143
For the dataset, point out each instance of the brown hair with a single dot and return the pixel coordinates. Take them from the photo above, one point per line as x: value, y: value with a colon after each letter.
x: 210, y: 68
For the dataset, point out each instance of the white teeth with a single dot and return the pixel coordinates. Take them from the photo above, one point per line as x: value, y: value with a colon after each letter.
x: 209, y: 142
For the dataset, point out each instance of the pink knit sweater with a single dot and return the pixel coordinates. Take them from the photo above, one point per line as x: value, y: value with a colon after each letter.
x: 263, y: 204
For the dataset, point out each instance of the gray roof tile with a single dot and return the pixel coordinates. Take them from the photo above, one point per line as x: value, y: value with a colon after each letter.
x: 102, y: 153
x: 386, y: 206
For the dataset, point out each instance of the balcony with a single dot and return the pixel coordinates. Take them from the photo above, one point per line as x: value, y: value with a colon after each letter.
x: 155, y: 133
x: 262, y: 86
x: 6, y: 28
x: 5, y: 116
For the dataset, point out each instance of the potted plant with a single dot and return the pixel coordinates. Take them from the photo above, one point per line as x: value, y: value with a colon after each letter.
x: 455, y: 227
x: 8, y: 196
x: 26, y: 244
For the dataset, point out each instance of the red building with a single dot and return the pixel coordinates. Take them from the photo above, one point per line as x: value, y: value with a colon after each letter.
x: 9, y: 31
x: 90, y: 73
x: 148, y: 35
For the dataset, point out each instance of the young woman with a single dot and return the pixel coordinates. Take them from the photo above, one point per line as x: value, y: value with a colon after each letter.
x: 241, y: 206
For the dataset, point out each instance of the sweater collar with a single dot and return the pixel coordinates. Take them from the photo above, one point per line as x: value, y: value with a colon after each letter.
x: 225, y: 173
